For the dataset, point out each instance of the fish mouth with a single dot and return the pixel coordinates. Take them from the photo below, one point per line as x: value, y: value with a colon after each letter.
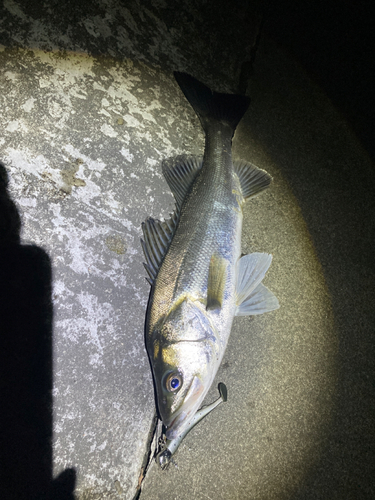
x: 180, y: 418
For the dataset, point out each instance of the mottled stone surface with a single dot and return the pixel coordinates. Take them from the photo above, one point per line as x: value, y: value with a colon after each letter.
x: 207, y: 40
x: 83, y: 142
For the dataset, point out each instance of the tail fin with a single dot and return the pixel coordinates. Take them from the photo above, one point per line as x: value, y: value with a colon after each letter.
x: 209, y: 105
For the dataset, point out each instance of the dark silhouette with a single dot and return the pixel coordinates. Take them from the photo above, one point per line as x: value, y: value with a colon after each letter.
x: 25, y: 365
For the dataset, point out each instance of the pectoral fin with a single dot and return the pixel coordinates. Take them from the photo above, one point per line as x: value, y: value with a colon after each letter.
x: 252, y: 296
x: 217, y: 275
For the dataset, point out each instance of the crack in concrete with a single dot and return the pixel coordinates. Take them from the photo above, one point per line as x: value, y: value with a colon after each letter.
x: 148, y: 456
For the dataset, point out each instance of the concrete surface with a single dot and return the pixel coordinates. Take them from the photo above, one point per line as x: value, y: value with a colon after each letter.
x: 89, y: 110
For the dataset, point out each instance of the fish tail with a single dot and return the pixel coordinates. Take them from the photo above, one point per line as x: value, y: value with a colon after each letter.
x: 211, y: 106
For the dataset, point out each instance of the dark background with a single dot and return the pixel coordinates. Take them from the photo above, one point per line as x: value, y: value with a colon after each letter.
x: 334, y: 41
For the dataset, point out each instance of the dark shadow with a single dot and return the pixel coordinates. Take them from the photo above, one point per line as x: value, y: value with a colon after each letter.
x: 25, y: 365
x: 333, y: 40
x: 63, y: 486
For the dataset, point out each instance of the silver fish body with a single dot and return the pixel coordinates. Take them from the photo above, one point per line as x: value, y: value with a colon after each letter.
x: 199, y: 280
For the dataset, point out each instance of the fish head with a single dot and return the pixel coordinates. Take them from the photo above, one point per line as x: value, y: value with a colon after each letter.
x: 185, y: 359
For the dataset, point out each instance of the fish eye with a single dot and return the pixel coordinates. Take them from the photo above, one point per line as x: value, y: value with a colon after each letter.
x: 173, y: 382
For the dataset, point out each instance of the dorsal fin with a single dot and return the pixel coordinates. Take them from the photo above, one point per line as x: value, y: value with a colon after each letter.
x: 217, y: 274
x: 157, y: 238
x: 253, y: 180
x: 180, y: 173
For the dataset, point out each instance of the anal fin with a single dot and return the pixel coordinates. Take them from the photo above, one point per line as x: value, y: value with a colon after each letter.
x: 217, y: 275
x: 261, y: 300
x: 252, y: 296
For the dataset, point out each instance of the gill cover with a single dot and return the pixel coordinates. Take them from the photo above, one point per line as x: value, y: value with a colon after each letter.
x: 184, y: 355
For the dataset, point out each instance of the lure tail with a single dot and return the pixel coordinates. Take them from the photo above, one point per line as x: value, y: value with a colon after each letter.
x: 211, y: 106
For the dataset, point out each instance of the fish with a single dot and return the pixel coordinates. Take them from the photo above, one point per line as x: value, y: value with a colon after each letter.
x: 199, y: 278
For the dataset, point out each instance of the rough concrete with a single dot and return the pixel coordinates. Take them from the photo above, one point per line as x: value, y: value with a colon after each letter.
x: 74, y: 205
x: 83, y: 146
x: 89, y: 110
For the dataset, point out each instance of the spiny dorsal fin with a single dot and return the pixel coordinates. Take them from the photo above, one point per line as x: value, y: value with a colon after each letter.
x: 180, y: 173
x: 251, y: 296
x: 253, y: 180
x: 157, y: 238
x: 217, y: 274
